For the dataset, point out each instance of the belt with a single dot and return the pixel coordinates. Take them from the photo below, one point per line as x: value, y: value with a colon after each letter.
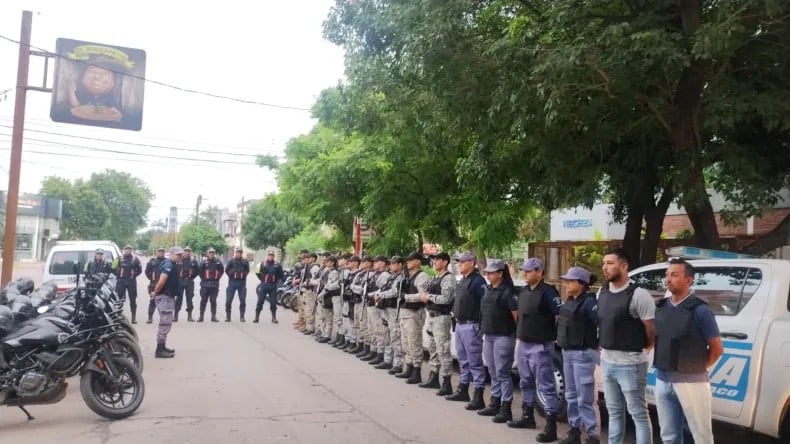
x: 434, y: 314
x: 467, y: 322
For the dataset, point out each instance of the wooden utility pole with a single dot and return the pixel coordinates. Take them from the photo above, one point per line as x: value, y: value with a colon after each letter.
x: 12, y: 197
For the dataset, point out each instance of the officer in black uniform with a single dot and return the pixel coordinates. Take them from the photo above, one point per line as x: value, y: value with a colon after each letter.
x: 98, y: 264
x: 270, y: 273
x: 237, y: 270
x: 187, y: 269
x: 152, y: 273
x: 211, y: 269
x: 129, y: 267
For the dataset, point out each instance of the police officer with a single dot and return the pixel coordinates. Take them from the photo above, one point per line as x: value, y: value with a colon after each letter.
x: 237, y: 270
x: 412, y: 319
x: 329, y: 290
x: 359, y: 291
x: 211, y: 270
x: 298, y: 280
x: 339, y: 302
x: 498, y: 312
x: 98, y: 264
x: 538, y: 307
x: 577, y: 335
x: 439, y: 299
x: 312, y: 279
x: 152, y: 273
x: 350, y: 306
x: 164, y: 294
x: 270, y: 273
x: 375, y: 315
x: 688, y: 344
x: 468, y: 340
x: 187, y: 271
x: 127, y: 270
x: 387, y: 299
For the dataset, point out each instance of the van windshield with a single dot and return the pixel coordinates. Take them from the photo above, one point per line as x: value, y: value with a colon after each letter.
x: 62, y: 262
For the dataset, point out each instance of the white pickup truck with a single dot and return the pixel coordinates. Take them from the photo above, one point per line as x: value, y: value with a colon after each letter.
x: 751, y: 301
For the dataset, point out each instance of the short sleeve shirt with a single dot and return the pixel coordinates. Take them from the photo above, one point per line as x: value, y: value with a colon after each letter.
x: 167, y: 267
x: 642, y: 307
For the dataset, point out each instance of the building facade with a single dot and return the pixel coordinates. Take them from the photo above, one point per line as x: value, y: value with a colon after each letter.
x: 37, y: 225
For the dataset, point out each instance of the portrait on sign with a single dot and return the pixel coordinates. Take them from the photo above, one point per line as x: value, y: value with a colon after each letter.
x: 97, y: 84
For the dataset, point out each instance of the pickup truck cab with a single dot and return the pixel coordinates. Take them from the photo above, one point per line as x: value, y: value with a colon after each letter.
x: 751, y: 301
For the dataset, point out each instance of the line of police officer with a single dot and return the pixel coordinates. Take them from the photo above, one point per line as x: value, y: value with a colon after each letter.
x: 210, y: 270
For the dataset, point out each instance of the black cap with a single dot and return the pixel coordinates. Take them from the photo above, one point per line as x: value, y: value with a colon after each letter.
x: 345, y: 256
x: 354, y: 259
x: 211, y: 250
x: 332, y: 259
x: 162, y: 249
x: 443, y: 256
x: 324, y: 254
x: 99, y: 251
x: 396, y: 259
x: 304, y: 251
x: 312, y: 255
x: 380, y: 258
x: 187, y: 248
x: 367, y: 258
x: 413, y: 256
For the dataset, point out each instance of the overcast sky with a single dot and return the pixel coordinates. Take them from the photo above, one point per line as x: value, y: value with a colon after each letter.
x: 267, y: 51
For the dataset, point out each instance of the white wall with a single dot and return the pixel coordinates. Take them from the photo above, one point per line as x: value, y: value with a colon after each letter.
x: 585, y: 224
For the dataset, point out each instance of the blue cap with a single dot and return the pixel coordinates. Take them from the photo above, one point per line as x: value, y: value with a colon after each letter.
x: 465, y: 257
x: 494, y: 265
x: 533, y: 263
x: 577, y: 274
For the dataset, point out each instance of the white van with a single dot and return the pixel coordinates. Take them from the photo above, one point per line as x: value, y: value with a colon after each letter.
x: 59, y: 266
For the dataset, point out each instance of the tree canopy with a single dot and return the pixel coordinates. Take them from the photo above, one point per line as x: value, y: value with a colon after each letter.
x: 201, y: 237
x: 265, y: 224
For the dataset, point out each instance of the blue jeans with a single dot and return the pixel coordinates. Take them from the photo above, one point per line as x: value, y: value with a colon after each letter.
x: 499, y: 352
x: 680, y: 402
x: 578, y: 367
x: 624, y: 388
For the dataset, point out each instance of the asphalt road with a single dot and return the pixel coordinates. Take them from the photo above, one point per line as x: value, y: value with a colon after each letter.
x: 252, y: 383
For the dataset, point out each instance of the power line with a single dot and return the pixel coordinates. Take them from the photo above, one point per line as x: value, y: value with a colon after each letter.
x: 167, y: 85
x: 138, y: 144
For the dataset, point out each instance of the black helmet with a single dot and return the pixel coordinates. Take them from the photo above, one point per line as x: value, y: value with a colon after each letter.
x: 21, y: 307
x: 25, y: 285
x: 6, y: 320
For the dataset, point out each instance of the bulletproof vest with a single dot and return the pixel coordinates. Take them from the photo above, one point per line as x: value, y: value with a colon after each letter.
x: 324, y: 280
x: 435, y: 287
x: 466, y: 306
x: 235, y: 269
x: 680, y: 346
x: 126, y: 268
x: 373, y: 281
x: 172, y: 286
x: 617, y: 328
x: 346, y: 277
x: 410, y: 288
x: 186, y: 268
x: 495, y: 318
x: 535, y: 322
x: 268, y: 273
x: 210, y: 270
x: 392, y: 282
x: 154, y: 272
x: 574, y: 330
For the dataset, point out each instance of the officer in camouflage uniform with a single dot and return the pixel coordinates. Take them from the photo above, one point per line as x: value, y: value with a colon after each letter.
x: 338, y: 302
x: 347, y: 313
x: 330, y: 289
x: 312, y: 280
x: 359, y: 290
x: 388, y: 298
x: 412, y: 319
x: 376, y: 315
x: 439, y: 299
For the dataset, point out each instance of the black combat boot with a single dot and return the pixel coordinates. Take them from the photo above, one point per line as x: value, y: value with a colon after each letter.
x: 189, y: 317
x: 527, y: 420
x: 175, y: 317
x: 227, y: 316
x: 477, y: 400
x: 416, y: 376
x: 340, y: 342
x: 150, y: 319
x: 257, y: 317
x: 367, y: 355
x: 446, y: 388
x: 377, y: 360
x: 241, y: 317
x: 214, y: 317
x: 347, y: 345
x: 169, y: 350
x: 493, y: 407
x: 462, y: 394
x: 549, y: 433
x: 274, y: 319
x: 432, y: 382
x: 575, y: 437
x: 161, y: 352
x: 505, y: 413
x: 134, y: 316
x: 395, y: 370
x: 358, y: 349
x: 384, y: 365
x: 406, y: 372
x: 200, y: 319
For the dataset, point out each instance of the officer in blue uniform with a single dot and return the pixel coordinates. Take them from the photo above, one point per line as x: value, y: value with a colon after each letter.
x: 270, y: 273
x: 127, y: 270
x: 237, y: 270
x: 152, y: 272
x: 538, y: 306
x: 164, y: 296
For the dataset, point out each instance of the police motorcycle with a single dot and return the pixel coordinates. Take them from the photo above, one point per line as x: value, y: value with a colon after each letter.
x: 287, y: 293
x: 38, y: 355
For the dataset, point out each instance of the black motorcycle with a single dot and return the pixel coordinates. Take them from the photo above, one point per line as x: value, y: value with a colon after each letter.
x: 39, y: 355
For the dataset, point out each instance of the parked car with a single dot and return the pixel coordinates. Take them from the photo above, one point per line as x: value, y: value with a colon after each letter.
x: 64, y: 255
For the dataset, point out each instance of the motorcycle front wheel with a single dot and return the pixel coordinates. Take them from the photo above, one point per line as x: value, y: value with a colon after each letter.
x: 113, y: 399
x: 129, y: 349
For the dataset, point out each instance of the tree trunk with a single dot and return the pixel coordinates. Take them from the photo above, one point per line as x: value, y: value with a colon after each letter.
x: 633, y: 228
x: 654, y: 225
x: 419, y: 242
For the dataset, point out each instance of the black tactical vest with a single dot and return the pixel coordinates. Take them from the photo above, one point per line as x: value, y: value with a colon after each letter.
x: 618, y: 329
x: 466, y: 306
x: 435, y: 287
x: 680, y: 346
x: 495, y: 317
x: 126, y: 268
x: 324, y: 280
x: 535, y: 323
x: 412, y: 289
x: 574, y: 330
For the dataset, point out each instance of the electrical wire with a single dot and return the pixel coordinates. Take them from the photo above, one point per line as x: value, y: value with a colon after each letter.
x: 167, y: 85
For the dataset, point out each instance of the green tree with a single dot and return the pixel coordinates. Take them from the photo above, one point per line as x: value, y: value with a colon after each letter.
x: 309, y: 238
x: 266, y: 224
x: 209, y: 215
x: 201, y: 238
x: 143, y: 241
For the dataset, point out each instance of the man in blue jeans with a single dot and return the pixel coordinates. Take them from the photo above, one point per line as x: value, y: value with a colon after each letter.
x: 625, y: 315
x: 687, y: 345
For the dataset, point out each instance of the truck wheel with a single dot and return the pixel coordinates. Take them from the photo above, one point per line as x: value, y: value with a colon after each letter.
x: 559, y: 380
